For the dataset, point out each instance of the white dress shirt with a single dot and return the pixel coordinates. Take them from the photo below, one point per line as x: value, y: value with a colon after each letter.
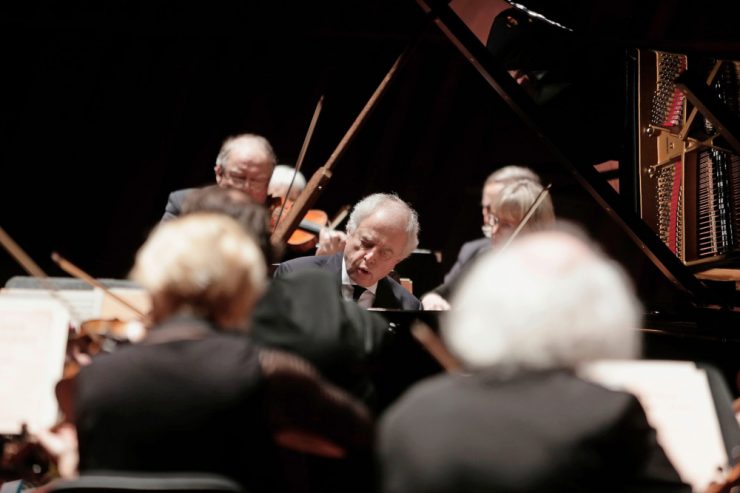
x: 366, y: 298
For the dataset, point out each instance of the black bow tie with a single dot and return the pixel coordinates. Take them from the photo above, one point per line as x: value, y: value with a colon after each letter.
x: 357, y: 291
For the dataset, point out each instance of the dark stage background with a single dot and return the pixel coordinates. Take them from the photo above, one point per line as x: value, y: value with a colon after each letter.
x: 108, y: 106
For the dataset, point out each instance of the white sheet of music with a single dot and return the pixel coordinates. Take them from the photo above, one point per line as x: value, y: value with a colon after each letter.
x: 139, y: 298
x: 33, y: 338
x: 84, y: 304
x: 679, y: 405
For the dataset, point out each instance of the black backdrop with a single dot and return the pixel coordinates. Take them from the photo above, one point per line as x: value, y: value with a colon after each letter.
x: 108, y: 106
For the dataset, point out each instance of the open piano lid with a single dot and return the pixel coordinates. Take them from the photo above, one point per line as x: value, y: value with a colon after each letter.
x: 566, y: 142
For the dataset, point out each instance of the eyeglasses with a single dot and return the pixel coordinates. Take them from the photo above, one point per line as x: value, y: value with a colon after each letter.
x: 495, y: 222
x: 244, y: 182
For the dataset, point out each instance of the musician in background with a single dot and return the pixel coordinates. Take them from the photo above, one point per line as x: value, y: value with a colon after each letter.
x: 286, y: 182
x: 519, y: 419
x: 197, y: 394
x: 245, y: 162
x: 382, y: 230
x: 505, y: 202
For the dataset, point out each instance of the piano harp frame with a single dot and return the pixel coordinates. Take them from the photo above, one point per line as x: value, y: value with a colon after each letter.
x: 659, y: 148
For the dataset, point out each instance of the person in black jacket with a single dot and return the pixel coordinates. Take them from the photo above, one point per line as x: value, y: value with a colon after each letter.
x: 382, y: 230
x: 519, y: 419
x: 245, y: 162
x: 197, y: 394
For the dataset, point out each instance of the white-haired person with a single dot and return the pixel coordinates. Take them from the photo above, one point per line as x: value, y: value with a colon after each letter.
x: 518, y: 419
x: 505, y: 203
x: 382, y: 230
x: 197, y: 394
x: 286, y: 182
x: 245, y: 162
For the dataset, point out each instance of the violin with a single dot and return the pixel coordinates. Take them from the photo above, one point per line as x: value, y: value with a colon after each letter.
x: 306, y: 235
x: 24, y: 456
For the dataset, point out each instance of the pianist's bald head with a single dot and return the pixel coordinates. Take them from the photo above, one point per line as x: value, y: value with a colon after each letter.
x: 551, y: 300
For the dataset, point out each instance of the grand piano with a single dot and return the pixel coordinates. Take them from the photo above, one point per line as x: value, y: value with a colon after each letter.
x: 650, y: 130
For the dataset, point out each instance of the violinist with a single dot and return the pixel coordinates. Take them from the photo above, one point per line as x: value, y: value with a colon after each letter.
x: 197, y: 394
x: 382, y: 230
x: 286, y: 182
x: 245, y: 162
x: 507, y: 196
x: 286, y: 185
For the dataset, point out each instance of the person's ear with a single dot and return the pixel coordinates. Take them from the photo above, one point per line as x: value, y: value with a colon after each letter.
x: 219, y: 173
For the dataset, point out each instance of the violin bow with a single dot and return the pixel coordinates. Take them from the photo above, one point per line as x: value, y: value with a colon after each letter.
x: 80, y: 274
x: 33, y: 269
x: 322, y: 175
x: 530, y: 212
x: 430, y: 341
x: 302, y: 154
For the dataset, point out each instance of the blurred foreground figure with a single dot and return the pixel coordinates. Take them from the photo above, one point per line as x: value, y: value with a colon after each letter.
x: 197, y: 394
x: 521, y: 421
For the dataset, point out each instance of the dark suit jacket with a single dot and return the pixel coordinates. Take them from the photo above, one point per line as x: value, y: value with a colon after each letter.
x: 301, y: 312
x: 174, y: 203
x: 540, y: 431
x: 193, y: 398
x: 389, y: 294
x: 468, y: 253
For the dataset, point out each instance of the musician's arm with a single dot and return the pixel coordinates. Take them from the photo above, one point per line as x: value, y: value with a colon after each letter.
x: 331, y: 241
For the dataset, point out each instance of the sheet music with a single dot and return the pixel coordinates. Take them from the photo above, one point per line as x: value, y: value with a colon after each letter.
x: 110, y: 308
x: 84, y: 304
x: 678, y: 403
x: 33, y: 337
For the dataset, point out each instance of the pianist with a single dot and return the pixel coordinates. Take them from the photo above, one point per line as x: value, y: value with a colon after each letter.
x: 382, y: 230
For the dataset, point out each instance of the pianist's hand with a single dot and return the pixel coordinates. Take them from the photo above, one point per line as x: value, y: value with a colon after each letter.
x: 433, y: 301
x: 330, y: 242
